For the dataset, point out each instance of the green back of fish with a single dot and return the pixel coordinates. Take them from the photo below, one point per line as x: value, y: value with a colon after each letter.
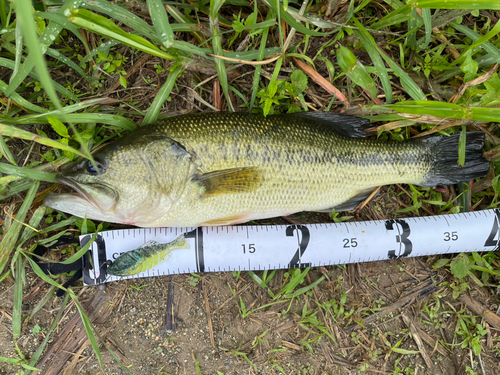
x: 298, y: 164
x: 225, y: 168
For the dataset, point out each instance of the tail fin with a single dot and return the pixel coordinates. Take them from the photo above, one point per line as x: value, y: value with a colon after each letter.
x: 446, y: 168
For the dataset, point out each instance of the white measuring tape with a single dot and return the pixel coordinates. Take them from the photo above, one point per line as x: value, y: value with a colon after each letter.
x: 266, y: 247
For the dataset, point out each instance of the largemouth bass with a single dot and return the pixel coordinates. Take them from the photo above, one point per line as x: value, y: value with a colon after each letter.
x: 227, y: 168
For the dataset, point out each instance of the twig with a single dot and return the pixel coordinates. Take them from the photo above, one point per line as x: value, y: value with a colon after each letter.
x: 492, y: 318
x: 417, y: 339
x: 421, y: 292
x: 209, y: 315
x: 254, y: 63
x: 320, y: 80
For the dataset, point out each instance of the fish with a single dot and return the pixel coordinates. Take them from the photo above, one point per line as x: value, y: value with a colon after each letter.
x: 145, y: 257
x: 228, y: 168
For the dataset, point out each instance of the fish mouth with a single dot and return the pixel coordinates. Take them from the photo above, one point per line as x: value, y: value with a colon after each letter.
x: 77, y: 188
x: 100, y: 196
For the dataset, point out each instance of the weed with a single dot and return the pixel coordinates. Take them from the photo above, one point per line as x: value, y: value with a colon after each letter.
x: 283, y: 94
x: 470, y: 331
x: 194, y: 279
x: 435, y: 316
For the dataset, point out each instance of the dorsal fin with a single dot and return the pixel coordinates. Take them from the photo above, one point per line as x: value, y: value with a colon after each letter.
x: 348, y: 126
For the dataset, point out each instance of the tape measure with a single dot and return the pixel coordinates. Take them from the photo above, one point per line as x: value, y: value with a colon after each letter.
x: 267, y: 247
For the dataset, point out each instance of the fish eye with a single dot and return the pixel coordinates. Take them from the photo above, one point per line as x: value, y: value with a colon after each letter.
x: 91, y: 169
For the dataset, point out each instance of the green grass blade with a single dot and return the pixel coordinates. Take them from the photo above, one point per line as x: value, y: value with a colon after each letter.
x: 12, y: 131
x: 4, y: 11
x: 55, y: 323
x: 33, y: 224
x: 408, y: 84
x: 14, y: 188
x: 217, y: 50
x: 19, y: 49
x: 27, y: 173
x: 5, y: 151
x: 59, y: 88
x: 371, y: 47
x: 485, y: 114
x: 18, y: 99
x: 258, y: 68
x: 455, y: 4
x: 77, y: 107
x: 400, y: 15
x: 290, y: 19
x: 59, y: 56
x: 82, y: 118
x: 63, y: 21
x: 25, y: 16
x: 19, y: 276
x: 120, y: 14
x: 19, y: 273
x: 105, y: 27
x: 162, y: 95
x: 426, y: 15
x: 483, y: 43
x: 411, y: 39
x: 159, y: 17
x: 46, y: 39
x: 88, y: 328
x: 445, y: 110
x: 12, y: 233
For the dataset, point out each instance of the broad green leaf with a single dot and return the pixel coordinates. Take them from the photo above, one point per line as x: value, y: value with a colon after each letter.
x: 58, y: 126
x: 356, y: 71
x: 460, y: 266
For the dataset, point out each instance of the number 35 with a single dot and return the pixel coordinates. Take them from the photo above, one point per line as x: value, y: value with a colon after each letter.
x: 450, y: 236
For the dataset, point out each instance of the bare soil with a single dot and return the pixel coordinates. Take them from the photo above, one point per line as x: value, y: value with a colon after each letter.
x: 277, y: 339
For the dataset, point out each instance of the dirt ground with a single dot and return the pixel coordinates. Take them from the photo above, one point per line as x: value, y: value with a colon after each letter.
x: 401, y: 301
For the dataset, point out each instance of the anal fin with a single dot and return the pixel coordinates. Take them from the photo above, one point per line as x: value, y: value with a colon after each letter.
x: 352, y: 203
x: 227, y: 220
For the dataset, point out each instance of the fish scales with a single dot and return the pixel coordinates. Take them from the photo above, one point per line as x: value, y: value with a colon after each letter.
x: 225, y: 168
x: 301, y: 164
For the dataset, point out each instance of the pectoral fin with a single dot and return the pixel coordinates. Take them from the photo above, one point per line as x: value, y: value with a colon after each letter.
x: 229, y: 181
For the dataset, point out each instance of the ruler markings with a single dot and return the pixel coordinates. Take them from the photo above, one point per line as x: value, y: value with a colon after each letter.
x: 221, y: 247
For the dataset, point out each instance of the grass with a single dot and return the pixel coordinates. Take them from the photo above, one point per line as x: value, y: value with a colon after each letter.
x: 407, y: 64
